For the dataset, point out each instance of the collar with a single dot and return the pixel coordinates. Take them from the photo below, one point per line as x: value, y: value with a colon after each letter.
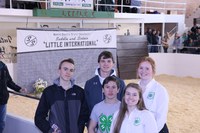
x: 97, y: 72
x: 57, y: 81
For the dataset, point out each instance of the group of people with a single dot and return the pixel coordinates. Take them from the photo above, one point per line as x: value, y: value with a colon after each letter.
x: 183, y: 43
x: 177, y: 44
x: 153, y: 40
x: 105, y: 105
x: 191, y: 40
x: 156, y: 41
x: 194, y: 35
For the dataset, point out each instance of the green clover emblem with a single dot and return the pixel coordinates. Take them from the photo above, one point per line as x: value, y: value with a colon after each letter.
x: 151, y: 95
x: 105, y: 123
x: 137, y: 121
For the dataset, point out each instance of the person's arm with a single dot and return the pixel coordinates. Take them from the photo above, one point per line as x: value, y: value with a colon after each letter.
x: 149, y: 123
x: 10, y: 82
x: 164, y: 43
x: 84, y: 114
x: 162, y: 108
x: 121, y: 90
x: 92, y: 126
x: 93, y: 119
x: 41, y: 114
x: 86, y: 91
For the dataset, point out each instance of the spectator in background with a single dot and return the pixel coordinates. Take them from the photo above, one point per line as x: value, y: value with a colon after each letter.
x: 185, y: 39
x: 176, y: 43
x: 184, y: 43
x: 198, y: 37
x: 135, y: 3
x: 194, y: 33
x: 6, y: 81
x: 158, y: 37
x: 149, y: 38
x: 165, y: 43
x: 189, y: 38
x: 194, y: 27
x: 154, y: 47
x: 198, y: 41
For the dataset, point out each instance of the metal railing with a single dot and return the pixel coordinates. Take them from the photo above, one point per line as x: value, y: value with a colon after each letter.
x: 162, y: 6
x: 157, y: 5
x: 24, y: 95
x: 173, y: 31
x: 184, y: 49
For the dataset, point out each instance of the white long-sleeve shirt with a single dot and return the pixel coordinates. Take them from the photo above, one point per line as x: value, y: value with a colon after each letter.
x: 139, y: 121
x: 156, y: 100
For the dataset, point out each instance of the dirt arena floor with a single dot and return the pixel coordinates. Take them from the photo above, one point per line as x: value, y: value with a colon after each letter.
x: 184, y: 110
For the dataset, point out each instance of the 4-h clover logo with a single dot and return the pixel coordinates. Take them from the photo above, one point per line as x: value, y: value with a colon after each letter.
x: 137, y: 121
x: 151, y: 95
x: 105, y: 123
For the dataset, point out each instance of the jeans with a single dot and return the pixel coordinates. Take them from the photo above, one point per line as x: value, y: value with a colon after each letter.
x: 2, y: 117
x: 164, y: 129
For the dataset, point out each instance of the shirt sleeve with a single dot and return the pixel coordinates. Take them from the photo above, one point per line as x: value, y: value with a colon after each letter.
x: 162, y: 108
x: 41, y: 114
x: 84, y: 113
x: 150, y: 125
x: 121, y: 91
x: 10, y: 82
x: 93, y: 115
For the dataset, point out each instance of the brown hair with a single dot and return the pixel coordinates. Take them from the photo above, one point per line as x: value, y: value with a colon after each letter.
x: 148, y: 59
x: 105, y: 55
x: 111, y: 78
x: 123, y: 107
x: 69, y: 60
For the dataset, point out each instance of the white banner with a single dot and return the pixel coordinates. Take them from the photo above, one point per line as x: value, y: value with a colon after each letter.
x: 29, y: 40
x: 72, y: 4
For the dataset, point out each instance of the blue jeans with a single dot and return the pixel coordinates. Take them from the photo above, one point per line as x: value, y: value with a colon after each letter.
x: 2, y: 117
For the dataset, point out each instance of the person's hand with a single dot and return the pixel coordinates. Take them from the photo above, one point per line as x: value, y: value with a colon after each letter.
x: 23, y: 90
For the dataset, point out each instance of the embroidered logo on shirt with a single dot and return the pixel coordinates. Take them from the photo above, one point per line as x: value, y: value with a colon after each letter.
x: 94, y: 83
x: 105, y: 123
x: 137, y: 121
x: 73, y: 94
x: 151, y: 95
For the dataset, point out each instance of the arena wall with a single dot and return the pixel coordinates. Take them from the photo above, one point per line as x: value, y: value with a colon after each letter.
x: 177, y: 64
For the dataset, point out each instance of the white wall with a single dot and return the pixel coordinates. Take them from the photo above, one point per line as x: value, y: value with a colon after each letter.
x: 177, y: 64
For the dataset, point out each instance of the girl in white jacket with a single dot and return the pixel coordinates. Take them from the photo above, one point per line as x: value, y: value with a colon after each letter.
x: 155, y: 95
x: 132, y: 115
